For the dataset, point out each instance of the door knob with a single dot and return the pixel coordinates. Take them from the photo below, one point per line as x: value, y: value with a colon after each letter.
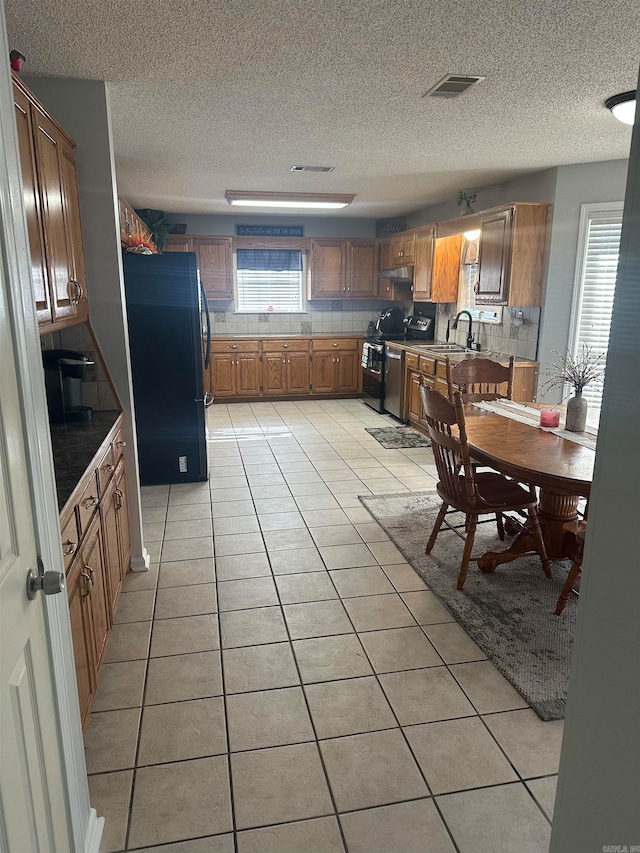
x: 49, y: 582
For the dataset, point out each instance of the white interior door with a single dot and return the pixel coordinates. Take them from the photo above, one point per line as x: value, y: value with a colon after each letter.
x: 33, y: 814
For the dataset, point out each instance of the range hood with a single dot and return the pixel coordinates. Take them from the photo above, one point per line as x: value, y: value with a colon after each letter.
x: 401, y: 274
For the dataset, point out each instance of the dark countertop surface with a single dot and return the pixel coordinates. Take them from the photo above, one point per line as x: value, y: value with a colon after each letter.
x: 457, y: 355
x: 74, y: 446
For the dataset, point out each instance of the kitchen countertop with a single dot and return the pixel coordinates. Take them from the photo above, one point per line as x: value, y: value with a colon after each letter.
x: 74, y: 446
x: 457, y: 356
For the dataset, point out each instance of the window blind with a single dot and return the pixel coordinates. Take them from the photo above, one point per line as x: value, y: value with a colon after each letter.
x: 599, y: 270
x: 270, y: 281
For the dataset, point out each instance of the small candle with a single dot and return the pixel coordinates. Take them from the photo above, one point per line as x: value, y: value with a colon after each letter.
x: 549, y: 418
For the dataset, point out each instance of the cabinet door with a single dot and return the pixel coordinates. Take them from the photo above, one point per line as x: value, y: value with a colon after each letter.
x: 298, y: 373
x: 222, y: 373
x: 59, y: 264
x: 446, y: 268
x: 122, y: 518
x: 408, y: 248
x: 363, y: 269
x: 215, y: 261
x: 493, y: 270
x: 395, y: 249
x: 273, y: 373
x: 179, y: 243
x: 126, y: 225
x: 349, y: 372
x: 31, y: 202
x: 109, y: 526
x: 423, y: 265
x: 414, y: 409
x: 385, y: 254
x: 248, y: 380
x: 94, y: 565
x: 386, y: 289
x: 73, y: 228
x: 328, y: 271
x: 323, y: 371
x: 80, y: 614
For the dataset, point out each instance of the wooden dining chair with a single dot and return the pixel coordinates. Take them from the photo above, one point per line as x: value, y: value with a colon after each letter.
x: 467, y: 491
x: 574, y: 573
x: 479, y: 379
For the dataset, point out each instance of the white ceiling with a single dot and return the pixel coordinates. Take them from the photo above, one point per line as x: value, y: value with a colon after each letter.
x: 209, y: 95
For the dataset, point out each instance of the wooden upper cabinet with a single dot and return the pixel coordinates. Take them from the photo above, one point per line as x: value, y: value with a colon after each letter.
x: 423, y: 266
x: 494, y: 258
x: 130, y: 223
x: 52, y: 205
x: 446, y: 268
x: 215, y: 262
x: 179, y: 243
x: 363, y: 268
x: 328, y: 269
x: 73, y: 229
x: 513, y: 251
x: 31, y: 202
x: 403, y: 249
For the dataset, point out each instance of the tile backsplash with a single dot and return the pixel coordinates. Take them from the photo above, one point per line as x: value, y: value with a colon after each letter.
x: 509, y: 337
x: 96, y: 391
x: 322, y: 316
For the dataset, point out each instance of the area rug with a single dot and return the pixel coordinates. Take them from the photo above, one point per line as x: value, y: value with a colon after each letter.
x: 397, y: 438
x: 509, y: 614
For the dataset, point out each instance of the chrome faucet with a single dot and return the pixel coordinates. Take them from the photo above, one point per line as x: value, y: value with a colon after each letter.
x: 469, y: 335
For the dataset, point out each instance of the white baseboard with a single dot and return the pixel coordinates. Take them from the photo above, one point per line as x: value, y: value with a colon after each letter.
x: 141, y: 564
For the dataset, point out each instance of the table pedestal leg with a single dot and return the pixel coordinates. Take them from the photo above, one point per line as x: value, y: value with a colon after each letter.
x: 554, y: 512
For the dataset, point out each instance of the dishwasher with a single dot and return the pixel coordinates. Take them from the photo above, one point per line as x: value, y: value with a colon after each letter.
x: 394, y: 380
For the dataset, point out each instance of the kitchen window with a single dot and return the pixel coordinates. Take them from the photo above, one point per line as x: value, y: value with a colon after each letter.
x: 596, y: 271
x: 270, y: 281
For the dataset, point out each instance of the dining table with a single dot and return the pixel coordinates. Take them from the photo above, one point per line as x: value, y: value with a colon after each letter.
x: 561, y: 468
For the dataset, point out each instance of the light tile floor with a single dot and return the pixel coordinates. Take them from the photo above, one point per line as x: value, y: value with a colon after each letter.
x: 288, y: 684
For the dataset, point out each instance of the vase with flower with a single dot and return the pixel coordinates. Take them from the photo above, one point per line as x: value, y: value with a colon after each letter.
x: 577, y: 371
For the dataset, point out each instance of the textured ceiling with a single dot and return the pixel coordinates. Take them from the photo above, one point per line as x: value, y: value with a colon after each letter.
x: 209, y: 96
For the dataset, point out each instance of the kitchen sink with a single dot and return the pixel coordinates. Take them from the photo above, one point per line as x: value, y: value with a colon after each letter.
x: 440, y: 347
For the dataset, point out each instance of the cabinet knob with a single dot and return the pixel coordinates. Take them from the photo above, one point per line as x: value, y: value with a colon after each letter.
x: 92, y: 501
x: 69, y: 547
x: 334, y: 345
x: 285, y: 345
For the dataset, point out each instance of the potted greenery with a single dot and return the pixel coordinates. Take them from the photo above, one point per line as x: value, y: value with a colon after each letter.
x: 577, y: 371
x: 158, y: 224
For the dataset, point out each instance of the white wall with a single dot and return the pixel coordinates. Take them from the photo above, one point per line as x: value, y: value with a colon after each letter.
x: 579, y: 184
x: 314, y: 226
x: 82, y: 108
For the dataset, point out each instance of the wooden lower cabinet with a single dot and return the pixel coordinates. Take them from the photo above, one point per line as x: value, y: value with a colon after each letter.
x: 279, y: 367
x: 96, y: 544
x: 80, y: 613
x: 286, y: 373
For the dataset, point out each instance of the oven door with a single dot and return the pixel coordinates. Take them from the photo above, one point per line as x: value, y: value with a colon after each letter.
x: 373, y: 388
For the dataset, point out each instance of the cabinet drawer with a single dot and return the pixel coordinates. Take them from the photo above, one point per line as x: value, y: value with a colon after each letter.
x: 87, y: 504
x: 269, y: 345
x: 427, y: 365
x: 335, y: 343
x: 442, y: 387
x: 411, y: 360
x: 118, y: 445
x: 105, y: 470
x: 70, y: 539
x: 235, y: 346
x: 441, y: 369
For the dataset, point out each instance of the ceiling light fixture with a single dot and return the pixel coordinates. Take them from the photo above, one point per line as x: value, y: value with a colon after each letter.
x: 318, y: 201
x: 623, y: 106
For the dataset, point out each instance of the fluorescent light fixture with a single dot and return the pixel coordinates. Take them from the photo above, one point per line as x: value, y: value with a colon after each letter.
x: 471, y: 235
x: 316, y: 201
x: 623, y: 106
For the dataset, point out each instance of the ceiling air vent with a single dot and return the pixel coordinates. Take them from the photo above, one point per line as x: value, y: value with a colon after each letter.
x: 312, y: 168
x: 452, y: 86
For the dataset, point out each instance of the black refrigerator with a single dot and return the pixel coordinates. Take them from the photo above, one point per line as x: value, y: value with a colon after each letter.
x: 169, y: 340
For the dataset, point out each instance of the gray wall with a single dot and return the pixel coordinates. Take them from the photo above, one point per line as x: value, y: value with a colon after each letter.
x: 537, y: 187
x: 582, y: 183
x: 82, y: 108
x: 314, y: 226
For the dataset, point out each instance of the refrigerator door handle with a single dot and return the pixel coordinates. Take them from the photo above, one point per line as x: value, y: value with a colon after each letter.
x: 207, y: 317
x: 208, y: 399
